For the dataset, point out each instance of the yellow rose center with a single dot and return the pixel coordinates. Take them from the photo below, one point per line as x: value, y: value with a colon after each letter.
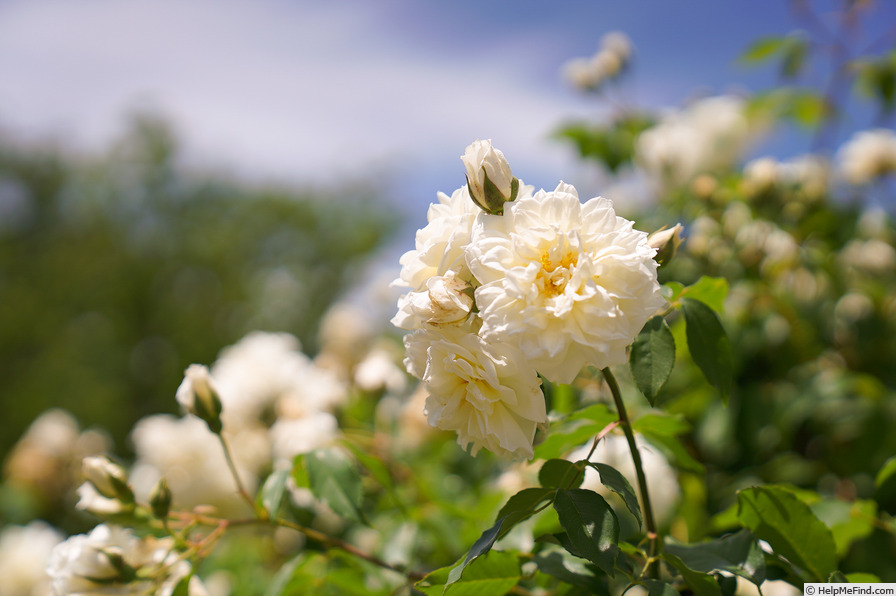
x: 555, y: 273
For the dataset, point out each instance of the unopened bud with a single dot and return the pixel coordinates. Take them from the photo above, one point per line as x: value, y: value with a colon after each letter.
x: 198, y: 396
x: 449, y: 300
x: 125, y: 573
x: 90, y: 500
x: 160, y: 499
x: 489, y: 179
x: 108, y: 478
x: 666, y: 242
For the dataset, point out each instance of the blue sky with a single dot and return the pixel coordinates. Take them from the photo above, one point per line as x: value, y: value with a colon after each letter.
x: 393, y: 90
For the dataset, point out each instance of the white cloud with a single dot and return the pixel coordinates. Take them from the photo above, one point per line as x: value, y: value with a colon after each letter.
x: 295, y: 90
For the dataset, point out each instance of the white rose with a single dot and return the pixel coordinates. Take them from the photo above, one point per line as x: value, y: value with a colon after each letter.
x: 869, y: 154
x: 24, y: 551
x: 292, y: 436
x: 485, y: 391
x: 92, y: 501
x: 107, y: 560
x: 446, y: 300
x: 192, y: 462
x: 570, y: 284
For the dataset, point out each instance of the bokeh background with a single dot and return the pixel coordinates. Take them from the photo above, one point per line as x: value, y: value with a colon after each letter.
x: 177, y: 174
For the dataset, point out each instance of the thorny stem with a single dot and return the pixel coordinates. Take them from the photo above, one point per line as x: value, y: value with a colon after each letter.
x: 652, y: 535
x: 240, y: 487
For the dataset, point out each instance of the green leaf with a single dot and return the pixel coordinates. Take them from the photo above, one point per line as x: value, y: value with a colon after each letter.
x: 597, y: 413
x: 862, y: 578
x: 568, y: 568
x: 808, y: 109
x: 736, y: 553
x: 334, y: 479
x: 490, y: 575
x: 300, y: 471
x: 561, y: 473
x: 711, y: 291
x: 482, y: 545
x: 656, y: 587
x: 784, y: 521
x: 574, y: 430
x: 182, y: 588
x: 662, y: 432
x: 652, y: 357
x: 661, y: 424
x: 701, y: 583
x: 886, y: 471
x: 763, y: 49
x: 591, y: 526
x: 522, y: 506
x: 672, y: 290
x: 494, y: 573
x: 273, y: 491
x: 709, y: 345
x: 374, y: 465
x: 848, y: 521
x: 281, y: 579
x: 794, y: 57
x: 619, y: 484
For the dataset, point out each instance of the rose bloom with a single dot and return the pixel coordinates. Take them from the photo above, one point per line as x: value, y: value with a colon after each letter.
x: 485, y: 391
x: 439, y: 246
x: 263, y: 368
x: 24, y: 551
x: 82, y: 564
x: 191, y: 459
x: 868, y: 155
x: 571, y: 284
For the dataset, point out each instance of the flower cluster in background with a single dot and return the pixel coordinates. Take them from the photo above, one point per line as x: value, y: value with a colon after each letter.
x: 607, y: 63
x: 274, y: 404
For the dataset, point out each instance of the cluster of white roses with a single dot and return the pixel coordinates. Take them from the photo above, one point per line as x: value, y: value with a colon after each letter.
x: 113, y: 560
x: 610, y: 59
x: 525, y: 283
x: 868, y: 155
x: 709, y: 134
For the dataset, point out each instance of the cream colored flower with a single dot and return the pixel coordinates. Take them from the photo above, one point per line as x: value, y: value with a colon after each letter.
x: 485, y: 391
x: 571, y: 284
x: 107, y: 561
x: 24, y: 551
x: 709, y: 134
x: 869, y: 154
x: 439, y: 246
x: 263, y: 371
x: 613, y: 55
x: 446, y: 300
x: 192, y: 461
x: 292, y: 436
x: 440, y: 252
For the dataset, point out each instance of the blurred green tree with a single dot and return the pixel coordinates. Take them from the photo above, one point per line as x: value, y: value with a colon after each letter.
x: 116, y: 273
